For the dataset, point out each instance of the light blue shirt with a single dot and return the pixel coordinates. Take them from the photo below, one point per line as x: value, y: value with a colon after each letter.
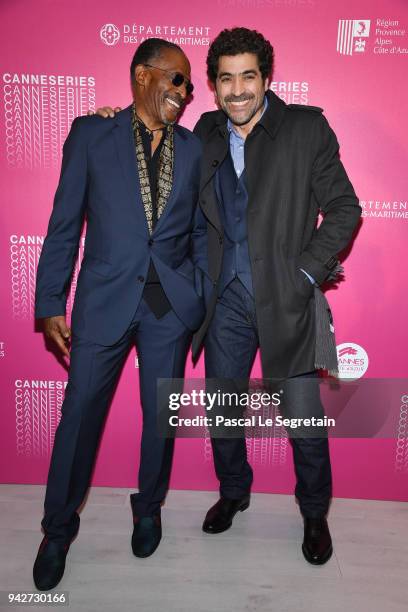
x: 237, y: 143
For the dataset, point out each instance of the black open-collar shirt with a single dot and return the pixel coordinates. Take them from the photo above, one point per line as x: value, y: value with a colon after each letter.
x: 153, y: 292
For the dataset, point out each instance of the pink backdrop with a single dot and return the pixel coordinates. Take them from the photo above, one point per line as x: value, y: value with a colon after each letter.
x: 61, y: 58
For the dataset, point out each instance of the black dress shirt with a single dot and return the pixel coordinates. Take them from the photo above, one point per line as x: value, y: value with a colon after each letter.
x: 153, y: 292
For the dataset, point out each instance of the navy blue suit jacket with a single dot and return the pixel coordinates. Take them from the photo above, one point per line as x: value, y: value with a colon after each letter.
x: 99, y: 182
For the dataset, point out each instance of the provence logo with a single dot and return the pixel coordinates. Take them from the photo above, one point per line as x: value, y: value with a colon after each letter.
x: 109, y: 34
x: 352, y: 35
x: 352, y: 359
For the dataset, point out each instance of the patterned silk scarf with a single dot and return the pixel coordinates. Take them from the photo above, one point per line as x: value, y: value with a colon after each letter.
x: 164, y: 175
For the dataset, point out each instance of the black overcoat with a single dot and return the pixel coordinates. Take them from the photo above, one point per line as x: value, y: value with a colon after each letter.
x: 293, y: 172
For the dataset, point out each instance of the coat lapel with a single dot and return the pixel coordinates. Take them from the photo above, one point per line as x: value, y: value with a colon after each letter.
x: 215, y: 151
x: 259, y: 164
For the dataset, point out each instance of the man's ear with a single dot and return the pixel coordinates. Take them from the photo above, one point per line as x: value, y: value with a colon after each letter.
x: 216, y: 97
x: 141, y: 75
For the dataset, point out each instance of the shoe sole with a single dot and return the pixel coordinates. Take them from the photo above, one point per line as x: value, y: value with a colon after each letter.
x: 321, y: 561
x: 241, y: 509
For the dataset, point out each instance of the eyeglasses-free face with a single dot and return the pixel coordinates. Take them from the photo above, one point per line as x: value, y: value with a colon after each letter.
x: 240, y: 88
x: 176, y: 78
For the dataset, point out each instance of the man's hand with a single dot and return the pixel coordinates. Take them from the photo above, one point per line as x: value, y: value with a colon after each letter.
x: 57, y: 330
x: 106, y: 111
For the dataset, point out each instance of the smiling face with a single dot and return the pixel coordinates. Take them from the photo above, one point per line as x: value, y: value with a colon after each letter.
x: 240, y: 88
x: 158, y: 100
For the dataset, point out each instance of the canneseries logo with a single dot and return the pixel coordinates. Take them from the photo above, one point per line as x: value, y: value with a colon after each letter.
x: 352, y: 360
x: 292, y: 92
x: 271, y: 450
x: 260, y: 450
x: 135, y: 33
x: 25, y: 251
x: 38, y: 412
x: 268, y: 445
x: 38, y: 112
x: 401, y: 450
x: 378, y: 36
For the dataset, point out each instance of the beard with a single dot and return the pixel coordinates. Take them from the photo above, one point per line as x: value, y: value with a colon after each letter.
x: 236, y: 117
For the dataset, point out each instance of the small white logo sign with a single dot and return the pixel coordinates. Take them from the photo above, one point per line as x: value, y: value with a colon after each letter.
x: 109, y: 34
x: 352, y: 359
x: 352, y: 35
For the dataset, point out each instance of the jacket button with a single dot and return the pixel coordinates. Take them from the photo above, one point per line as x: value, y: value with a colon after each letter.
x: 150, y: 242
x: 203, y: 202
x: 220, y: 240
x: 215, y: 163
x: 140, y: 279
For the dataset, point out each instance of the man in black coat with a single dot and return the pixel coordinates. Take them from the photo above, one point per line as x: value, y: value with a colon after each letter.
x: 268, y: 169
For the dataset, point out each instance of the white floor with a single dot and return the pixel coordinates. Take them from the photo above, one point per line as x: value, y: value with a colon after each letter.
x: 256, y: 565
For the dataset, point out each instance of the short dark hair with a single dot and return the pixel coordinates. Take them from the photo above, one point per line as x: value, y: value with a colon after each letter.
x: 149, y: 50
x: 236, y: 41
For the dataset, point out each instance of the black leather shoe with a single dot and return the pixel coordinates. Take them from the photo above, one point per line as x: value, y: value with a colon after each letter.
x: 49, y: 565
x: 219, y: 517
x: 147, y: 533
x: 317, y: 544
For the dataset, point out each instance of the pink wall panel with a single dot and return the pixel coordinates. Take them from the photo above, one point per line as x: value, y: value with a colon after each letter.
x: 61, y: 58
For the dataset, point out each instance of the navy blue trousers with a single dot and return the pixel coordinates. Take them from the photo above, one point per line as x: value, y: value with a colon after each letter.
x: 230, y: 348
x: 162, y: 346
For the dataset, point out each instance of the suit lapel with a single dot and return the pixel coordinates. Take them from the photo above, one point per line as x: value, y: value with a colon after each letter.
x: 125, y: 146
x: 178, y: 165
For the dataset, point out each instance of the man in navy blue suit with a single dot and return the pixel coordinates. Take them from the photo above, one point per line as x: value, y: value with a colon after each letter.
x: 135, y: 179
